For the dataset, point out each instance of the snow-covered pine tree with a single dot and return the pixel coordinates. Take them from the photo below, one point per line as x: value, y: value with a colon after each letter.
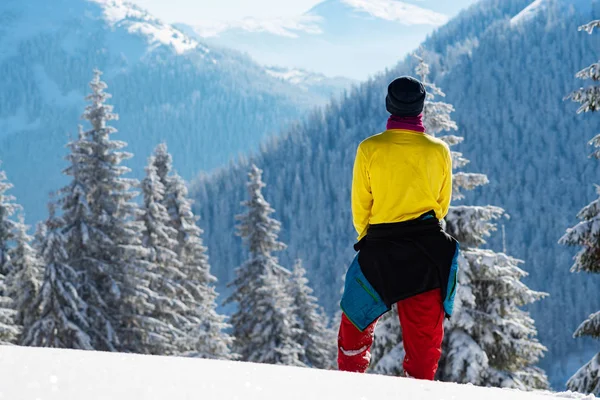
x: 587, y: 233
x: 41, y: 230
x: 171, y: 299
x: 24, y: 279
x: 9, y: 329
x: 102, y: 240
x: 436, y: 114
x: 8, y: 208
x: 314, y: 334
x: 264, y: 325
x: 62, y: 321
x: 505, y: 332
x: 489, y: 341
x: 163, y: 161
x: 206, y: 335
x: 39, y: 236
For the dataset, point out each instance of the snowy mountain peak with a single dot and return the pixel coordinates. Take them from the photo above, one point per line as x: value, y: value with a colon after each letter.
x: 314, y: 20
x: 530, y: 11
x: 26, y: 19
x: 137, y: 21
x: 308, y: 81
x: 302, y: 77
x: 398, y: 11
x: 538, y: 7
x: 285, y: 27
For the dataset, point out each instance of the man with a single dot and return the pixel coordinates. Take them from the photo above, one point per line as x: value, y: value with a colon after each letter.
x: 401, y: 190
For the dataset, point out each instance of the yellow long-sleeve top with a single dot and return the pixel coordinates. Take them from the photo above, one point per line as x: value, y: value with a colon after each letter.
x: 400, y: 175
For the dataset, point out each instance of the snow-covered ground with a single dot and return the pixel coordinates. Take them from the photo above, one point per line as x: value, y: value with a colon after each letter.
x: 45, y: 374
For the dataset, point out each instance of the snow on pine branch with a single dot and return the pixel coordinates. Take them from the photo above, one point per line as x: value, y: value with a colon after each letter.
x: 589, y: 27
x: 587, y: 97
x: 589, y: 327
x: 592, y: 72
x: 452, y: 140
x: 467, y: 181
x: 472, y: 224
x: 586, y: 234
x: 596, y: 143
x: 587, y: 379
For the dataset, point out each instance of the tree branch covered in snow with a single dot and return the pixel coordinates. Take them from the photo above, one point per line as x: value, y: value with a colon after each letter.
x: 589, y: 27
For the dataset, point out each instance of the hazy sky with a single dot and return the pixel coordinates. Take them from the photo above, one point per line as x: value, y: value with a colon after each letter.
x: 194, y: 11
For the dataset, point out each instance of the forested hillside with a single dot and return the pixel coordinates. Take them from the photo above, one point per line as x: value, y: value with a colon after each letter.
x: 208, y: 104
x: 507, y: 73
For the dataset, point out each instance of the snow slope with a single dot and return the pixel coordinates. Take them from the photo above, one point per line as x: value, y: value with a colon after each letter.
x: 33, y: 373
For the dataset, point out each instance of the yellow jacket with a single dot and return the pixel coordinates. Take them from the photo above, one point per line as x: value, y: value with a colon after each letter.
x: 400, y: 175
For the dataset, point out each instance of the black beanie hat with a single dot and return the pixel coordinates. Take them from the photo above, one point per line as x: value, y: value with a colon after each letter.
x: 406, y: 97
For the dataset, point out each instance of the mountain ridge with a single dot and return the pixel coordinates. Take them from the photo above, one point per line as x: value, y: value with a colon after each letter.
x: 165, y: 86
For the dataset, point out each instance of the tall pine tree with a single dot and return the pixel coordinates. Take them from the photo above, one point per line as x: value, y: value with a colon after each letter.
x: 205, y: 335
x: 62, y: 320
x: 24, y: 278
x: 102, y: 240
x: 170, y: 297
x: 264, y: 325
x: 587, y: 233
x: 314, y: 335
x: 489, y: 341
x: 8, y: 208
x: 9, y: 329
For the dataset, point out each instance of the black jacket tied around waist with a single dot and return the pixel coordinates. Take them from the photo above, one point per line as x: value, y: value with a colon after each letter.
x: 404, y: 259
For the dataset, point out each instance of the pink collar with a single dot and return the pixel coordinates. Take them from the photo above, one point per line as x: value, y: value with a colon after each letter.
x: 406, y: 123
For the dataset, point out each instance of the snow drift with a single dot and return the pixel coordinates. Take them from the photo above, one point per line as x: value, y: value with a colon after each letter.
x: 49, y: 374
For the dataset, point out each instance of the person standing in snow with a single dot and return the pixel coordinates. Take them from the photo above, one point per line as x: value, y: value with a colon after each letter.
x: 401, y: 190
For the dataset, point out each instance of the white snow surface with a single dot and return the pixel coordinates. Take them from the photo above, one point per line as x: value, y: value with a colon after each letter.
x: 50, y: 374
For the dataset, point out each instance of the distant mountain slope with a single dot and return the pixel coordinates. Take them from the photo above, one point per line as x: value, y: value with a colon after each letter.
x: 507, y: 82
x: 210, y: 105
x: 315, y: 83
x: 352, y: 38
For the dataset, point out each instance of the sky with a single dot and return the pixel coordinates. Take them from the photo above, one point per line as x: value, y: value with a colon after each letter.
x: 197, y: 11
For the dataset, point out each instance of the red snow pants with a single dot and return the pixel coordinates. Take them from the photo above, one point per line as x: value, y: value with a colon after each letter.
x: 422, y: 322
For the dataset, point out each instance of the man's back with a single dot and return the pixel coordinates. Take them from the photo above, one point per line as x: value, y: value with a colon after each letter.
x: 400, y: 175
x: 401, y: 191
